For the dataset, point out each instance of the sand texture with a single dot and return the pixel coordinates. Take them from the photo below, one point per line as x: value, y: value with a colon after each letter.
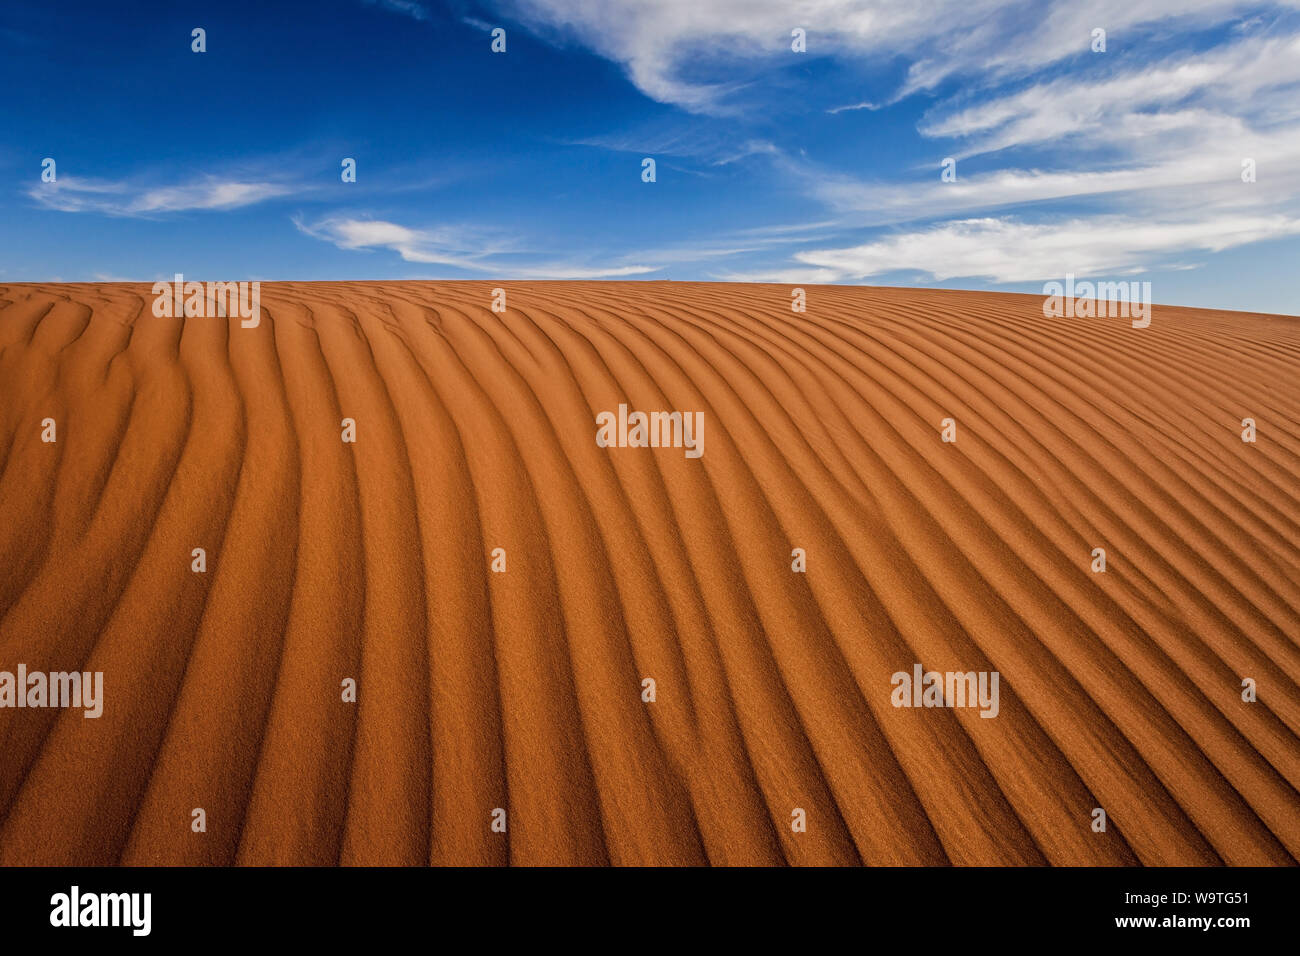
x: 522, y: 690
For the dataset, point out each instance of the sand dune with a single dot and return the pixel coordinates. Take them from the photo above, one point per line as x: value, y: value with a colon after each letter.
x: 522, y: 690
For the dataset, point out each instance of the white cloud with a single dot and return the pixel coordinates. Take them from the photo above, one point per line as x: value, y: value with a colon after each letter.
x: 753, y: 147
x: 210, y: 194
x: 1176, y: 179
x: 577, y: 272
x: 461, y: 248
x: 1134, y: 145
x: 73, y: 194
x: 666, y: 46
x: 409, y: 8
x: 660, y: 42
x: 1209, y: 93
x: 1005, y: 250
x: 864, y: 105
x: 782, y: 276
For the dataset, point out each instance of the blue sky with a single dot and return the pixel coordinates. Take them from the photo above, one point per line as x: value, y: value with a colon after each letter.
x: 771, y: 165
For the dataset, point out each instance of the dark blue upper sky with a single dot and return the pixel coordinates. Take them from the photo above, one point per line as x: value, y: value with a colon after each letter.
x: 771, y: 164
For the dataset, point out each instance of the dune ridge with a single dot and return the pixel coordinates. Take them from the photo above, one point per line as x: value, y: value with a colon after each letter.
x: 522, y: 690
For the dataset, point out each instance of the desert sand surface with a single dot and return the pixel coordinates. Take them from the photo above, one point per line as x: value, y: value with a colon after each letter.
x: 522, y: 689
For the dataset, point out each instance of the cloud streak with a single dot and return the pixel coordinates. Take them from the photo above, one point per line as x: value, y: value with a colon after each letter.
x: 120, y: 198
x: 407, y: 8
x: 1005, y: 250
x: 463, y: 248
x: 666, y: 47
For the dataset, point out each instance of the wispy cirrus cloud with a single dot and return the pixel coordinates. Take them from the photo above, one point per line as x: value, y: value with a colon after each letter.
x: 1209, y: 92
x: 852, y: 107
x: 408, y: 8
x: 1007, y: 250
x: 693, y: 140
x: 1154, y: 151
x: 464, y: 247
x: 685, y: 52
x: 123, y: 198
x: 1163, y: 182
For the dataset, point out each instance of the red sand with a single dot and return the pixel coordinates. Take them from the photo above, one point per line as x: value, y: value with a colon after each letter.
x: 522, y: 690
